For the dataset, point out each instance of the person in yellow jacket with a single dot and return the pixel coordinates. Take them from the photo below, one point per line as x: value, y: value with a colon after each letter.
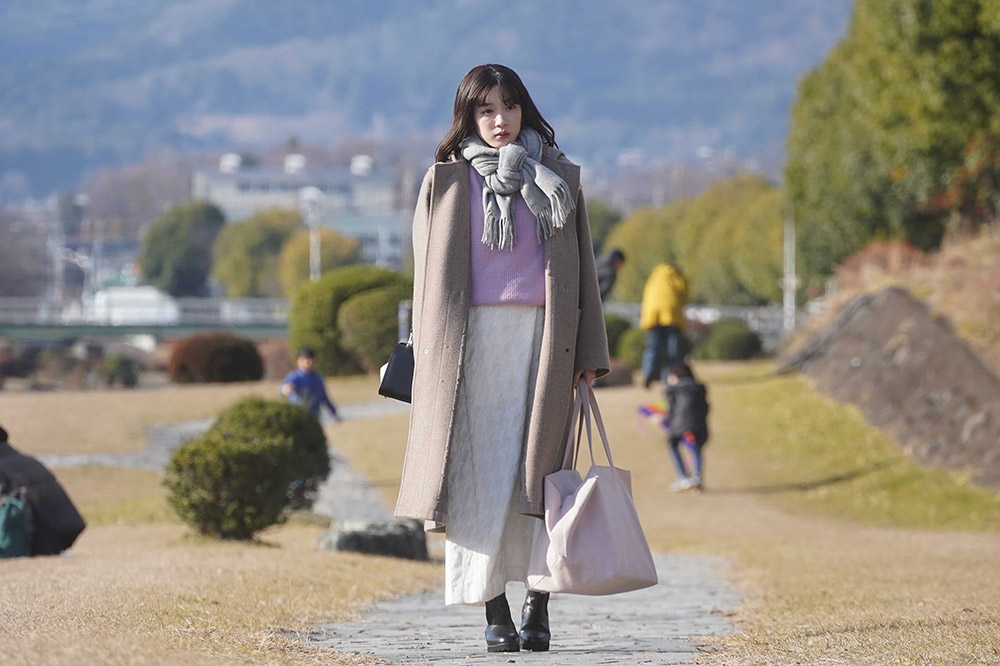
x: 662, y: 318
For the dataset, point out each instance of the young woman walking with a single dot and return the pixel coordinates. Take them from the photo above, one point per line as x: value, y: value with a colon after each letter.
x: 506, y: 317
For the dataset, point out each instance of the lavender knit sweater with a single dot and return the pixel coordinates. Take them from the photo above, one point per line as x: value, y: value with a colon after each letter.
x: 505, y: 276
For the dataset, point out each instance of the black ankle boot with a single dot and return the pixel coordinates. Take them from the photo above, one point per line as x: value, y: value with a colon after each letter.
x: 501, y: 635
x: 535, y: 622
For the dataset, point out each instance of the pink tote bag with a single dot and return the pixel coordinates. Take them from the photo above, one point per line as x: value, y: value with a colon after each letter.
x: 592, y: 542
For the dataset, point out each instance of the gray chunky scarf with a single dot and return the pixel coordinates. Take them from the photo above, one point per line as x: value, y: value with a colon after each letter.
x: 515, y: 168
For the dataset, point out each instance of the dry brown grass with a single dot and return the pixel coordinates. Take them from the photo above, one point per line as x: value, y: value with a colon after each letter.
x: 149, y: 595
x: 960, y: 282
x: 137, y: 588
x: 116, y: 496
x: 112, y: 421
x: 818, y: 589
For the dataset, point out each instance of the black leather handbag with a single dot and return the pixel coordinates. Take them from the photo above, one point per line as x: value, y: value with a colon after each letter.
x: 397, y: 380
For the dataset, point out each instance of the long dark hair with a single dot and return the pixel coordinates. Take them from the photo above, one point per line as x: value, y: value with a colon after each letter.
x: 472, y: 92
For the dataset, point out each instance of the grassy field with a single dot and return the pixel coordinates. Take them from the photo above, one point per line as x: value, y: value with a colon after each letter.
x: 138, y: 588
x: 149, y: 594
x: 112, y: 421
x: 847, y: 553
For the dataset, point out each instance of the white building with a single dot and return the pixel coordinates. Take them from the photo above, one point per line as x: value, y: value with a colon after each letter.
x: 121, y: 306
x: 365, y: 202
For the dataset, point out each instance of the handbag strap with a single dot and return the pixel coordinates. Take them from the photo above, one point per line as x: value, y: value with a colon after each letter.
x: 591, y: 404
x: 572, y: 455
x: 580, y: 416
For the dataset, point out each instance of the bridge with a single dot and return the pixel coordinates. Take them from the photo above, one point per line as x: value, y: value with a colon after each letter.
x: 36, y: 319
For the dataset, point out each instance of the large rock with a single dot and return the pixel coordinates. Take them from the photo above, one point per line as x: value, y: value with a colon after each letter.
x: 395, y: 538
x: 909, y: 372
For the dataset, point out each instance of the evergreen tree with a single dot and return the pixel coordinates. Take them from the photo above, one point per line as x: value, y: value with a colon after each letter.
x: 879, y: 128
x: 176, y: 253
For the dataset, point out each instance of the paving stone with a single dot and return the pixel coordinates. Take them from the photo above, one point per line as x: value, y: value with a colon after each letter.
x: 658, y: 625
x: 161, y: 441
x: 348, y: 496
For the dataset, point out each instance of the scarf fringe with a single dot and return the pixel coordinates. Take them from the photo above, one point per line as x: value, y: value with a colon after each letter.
x: 554, y: 216
x: 498, y: 234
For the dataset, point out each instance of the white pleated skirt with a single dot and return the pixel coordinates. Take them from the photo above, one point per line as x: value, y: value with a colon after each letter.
x: 488, y: 542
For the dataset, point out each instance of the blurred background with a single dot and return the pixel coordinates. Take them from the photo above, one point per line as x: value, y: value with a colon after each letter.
x: 192, y: 164
x: 190, y: 190
x: 113, y: 112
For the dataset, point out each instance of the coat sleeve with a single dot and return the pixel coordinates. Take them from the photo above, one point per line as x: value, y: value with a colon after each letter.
x: 420, y: 231
x: 326, y: 399
x: 591, y: 335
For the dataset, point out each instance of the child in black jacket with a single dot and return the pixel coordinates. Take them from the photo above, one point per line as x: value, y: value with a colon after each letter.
x: 687, y: 420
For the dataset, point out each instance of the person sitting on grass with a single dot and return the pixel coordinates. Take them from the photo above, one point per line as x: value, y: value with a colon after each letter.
x: 687, y: 423
x: 304, y: 386
x: 50, y: 523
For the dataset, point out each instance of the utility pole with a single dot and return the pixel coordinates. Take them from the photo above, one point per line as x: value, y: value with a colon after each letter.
x: 309, y: 198
x: 788, y: 280
x: 55, y: 243
x: 91, y: 268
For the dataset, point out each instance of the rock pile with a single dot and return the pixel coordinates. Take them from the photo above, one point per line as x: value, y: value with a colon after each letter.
x: 395, y: 538
x: 910, y: 373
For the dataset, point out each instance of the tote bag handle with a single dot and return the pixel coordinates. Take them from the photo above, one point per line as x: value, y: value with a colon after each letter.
x: 572, y: 455
x: 581, y: 414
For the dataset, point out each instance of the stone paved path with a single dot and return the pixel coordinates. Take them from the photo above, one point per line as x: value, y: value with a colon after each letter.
x: 160, y: 443
x: 659, y: 625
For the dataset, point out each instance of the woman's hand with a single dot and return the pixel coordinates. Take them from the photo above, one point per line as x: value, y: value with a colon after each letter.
x: 588, y: 375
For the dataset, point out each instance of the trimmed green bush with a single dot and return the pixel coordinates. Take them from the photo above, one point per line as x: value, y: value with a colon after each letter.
x: 630, y: 347
x: 120, y: 369
x: 369, y: 323
x: 729, y: 339
x: 269, y: 418
x: 215, y: 357
x: 312, y: 321
x: 231, y: 487
x: 615, y: 327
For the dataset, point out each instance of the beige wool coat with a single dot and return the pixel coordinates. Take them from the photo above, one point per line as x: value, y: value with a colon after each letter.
x: 573, y: 338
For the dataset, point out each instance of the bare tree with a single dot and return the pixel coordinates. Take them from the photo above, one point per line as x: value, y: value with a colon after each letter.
x: 130, y: 198
x: 24, y: 266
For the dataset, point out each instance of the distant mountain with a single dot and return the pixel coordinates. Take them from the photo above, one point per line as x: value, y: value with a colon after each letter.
x: 91, y: 83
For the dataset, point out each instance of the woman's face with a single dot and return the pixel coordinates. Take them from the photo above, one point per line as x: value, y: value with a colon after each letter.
x: 498, y: 124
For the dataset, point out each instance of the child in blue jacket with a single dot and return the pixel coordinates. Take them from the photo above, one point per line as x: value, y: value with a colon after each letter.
x: 304, y: 386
